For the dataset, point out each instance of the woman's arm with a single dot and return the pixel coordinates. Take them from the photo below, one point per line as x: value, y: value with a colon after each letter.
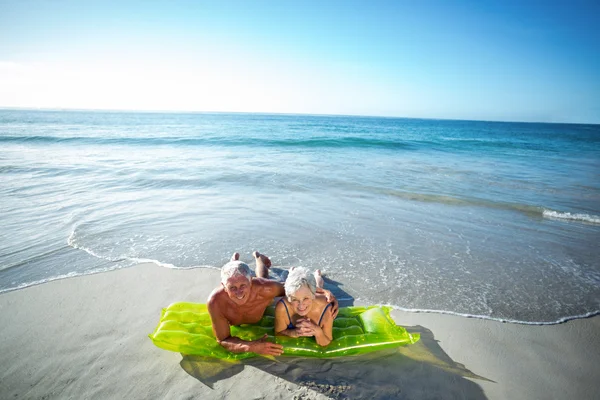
x: 306, y: 327
x: 282, y: 321
x: 323, y: 331
x: 326, y: 329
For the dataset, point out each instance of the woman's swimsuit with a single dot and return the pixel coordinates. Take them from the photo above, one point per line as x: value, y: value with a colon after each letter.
x: 291, y: 325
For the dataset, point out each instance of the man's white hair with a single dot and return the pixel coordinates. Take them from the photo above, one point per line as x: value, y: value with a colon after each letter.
x: 297, y: 278
x: 233, y: 268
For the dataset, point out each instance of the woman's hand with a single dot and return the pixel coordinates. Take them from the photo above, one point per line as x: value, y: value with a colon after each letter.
x: 305, y: 327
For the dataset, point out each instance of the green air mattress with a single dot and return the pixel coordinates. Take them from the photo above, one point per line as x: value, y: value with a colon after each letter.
x: 186, y: 328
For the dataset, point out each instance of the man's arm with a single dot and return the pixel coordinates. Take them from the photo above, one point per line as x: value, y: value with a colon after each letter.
x: 330, y: 299
x: 260, y: 346
x: 220, y: 326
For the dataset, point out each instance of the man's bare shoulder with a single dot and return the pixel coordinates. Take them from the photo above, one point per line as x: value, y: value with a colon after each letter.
x: 268, y: 287
x: 216, y: 297
x: 321, y: 300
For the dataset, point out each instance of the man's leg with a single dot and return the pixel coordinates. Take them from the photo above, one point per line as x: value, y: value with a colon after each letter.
x: 262, y: 265
x: 319, y: 279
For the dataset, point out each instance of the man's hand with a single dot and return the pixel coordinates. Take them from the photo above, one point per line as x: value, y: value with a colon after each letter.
x: 335, y: 307
x: 262, y: 346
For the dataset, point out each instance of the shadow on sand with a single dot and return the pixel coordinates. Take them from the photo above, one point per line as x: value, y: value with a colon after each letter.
x: 421, y: 370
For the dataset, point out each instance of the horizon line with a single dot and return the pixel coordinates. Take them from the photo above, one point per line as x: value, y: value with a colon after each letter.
x: 276, y: 113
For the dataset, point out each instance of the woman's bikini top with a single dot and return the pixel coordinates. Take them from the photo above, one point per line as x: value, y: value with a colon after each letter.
x: 291, y: 325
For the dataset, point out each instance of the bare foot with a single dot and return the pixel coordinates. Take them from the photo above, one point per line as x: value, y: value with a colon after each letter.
x: 263, y: 263
x: 235, y: 257
x: 319, y: 279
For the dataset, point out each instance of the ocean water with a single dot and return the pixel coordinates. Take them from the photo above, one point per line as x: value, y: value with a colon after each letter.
x: 488, y: 219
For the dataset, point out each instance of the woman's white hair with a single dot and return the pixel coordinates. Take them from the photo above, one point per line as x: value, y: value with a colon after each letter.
x: 297, y: 278
x: 233, y: 268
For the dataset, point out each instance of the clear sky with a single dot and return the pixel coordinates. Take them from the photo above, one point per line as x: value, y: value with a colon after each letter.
x: 491, y: 60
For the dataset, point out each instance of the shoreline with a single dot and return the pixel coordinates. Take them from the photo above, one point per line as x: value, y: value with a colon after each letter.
x: 344, y: 301
x: 86, y: 336
x: 563, y: 320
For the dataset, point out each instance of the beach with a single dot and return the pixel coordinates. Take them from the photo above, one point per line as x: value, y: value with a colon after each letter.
x: 482, y: 237
x: 86, y: 337
x: 438, y: 160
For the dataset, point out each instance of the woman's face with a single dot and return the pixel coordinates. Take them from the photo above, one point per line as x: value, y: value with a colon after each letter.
x: 301, y: 301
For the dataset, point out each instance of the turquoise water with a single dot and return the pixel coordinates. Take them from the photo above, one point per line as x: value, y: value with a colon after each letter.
x: 498, y: 220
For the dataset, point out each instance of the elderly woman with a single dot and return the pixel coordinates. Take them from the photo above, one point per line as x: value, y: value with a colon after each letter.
x: 303, y: 312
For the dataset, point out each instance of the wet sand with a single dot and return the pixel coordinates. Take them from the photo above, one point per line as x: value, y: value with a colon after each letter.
x: 86, y: 337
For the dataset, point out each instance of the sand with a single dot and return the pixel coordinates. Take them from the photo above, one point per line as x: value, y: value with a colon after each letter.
x: 86, y: 337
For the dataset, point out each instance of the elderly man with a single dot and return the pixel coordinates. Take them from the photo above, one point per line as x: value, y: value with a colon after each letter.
x: 242, y: 299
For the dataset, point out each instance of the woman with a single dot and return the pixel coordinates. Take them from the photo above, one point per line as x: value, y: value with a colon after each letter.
x: 303, y: 312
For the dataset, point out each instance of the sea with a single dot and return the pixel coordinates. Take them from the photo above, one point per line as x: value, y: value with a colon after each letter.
x: 494, y: 220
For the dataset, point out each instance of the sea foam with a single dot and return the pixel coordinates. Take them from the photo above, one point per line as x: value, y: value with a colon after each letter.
x: 593, y: 219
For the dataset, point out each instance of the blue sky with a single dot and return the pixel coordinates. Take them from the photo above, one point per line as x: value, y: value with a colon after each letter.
x: 500, y: 60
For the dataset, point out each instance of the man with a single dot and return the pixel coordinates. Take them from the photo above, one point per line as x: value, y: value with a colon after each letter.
x: 242, y: 299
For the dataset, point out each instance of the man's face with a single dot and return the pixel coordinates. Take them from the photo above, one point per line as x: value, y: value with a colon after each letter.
x: 238, y: 289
